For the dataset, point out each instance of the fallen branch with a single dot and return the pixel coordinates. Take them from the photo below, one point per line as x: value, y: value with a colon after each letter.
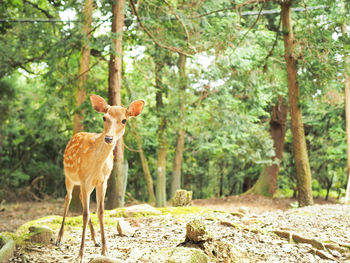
x: 320, y: 249
x: 323, y: 254
x: 27, y: 191
x: 299, y: 239
x: 34, y: 249
x: 239, y: 226
x: 323, y: 250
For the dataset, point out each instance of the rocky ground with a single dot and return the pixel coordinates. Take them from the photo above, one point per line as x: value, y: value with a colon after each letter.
x: 318, y: 233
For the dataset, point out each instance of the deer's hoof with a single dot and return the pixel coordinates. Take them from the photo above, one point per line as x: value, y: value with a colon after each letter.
x: 58, y: 243
x: 104, y: 252
x: 97, y: 244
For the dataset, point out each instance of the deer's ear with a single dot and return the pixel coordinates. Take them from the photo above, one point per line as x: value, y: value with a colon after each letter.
x: 99, y: 104
x: 135, y: 108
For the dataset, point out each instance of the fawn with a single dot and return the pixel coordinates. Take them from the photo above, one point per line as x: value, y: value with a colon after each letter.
x: 88, y: 162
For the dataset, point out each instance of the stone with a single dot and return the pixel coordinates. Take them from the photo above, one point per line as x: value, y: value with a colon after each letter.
x: 196, y: 232
x: 41, y: 234
x: 124, y: 228
x: 182, y: 198
x: 103, y: 259
x: 244, y: 210
x: 7, y: 248
x: 184, y: 255
x: 221, y: 251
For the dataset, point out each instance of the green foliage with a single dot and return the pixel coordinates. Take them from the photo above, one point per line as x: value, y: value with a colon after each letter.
x: 235, y: 73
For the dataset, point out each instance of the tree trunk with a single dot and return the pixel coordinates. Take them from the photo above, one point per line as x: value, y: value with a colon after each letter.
x: 144, y: 163
x: 162, y: 144
x: 161, y: 173
x: 267, y: 181
x: 221, y: 186
x: 303, y: 172
x: 347, y: 114
x: 115, y: 198
x: 81, y: 90
x: 176, y: 176
x: 329, y: 186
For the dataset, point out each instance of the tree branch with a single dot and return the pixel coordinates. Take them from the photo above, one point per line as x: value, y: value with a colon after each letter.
x: 39, y: 8
x: 130, y: 149
x: 21, y: 64
x: 251, y: 27
x: 182, y: 24
x: 171, y: 48
x: 273, y: 46
x: 230, y: 8
x: 93, y: 65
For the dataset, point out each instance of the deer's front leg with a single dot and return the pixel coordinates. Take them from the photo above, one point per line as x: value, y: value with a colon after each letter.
x: 100, y: 197
x: 85, y: 201
x: 69, y: 187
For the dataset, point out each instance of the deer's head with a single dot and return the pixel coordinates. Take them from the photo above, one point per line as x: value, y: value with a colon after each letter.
x: 115, y: 117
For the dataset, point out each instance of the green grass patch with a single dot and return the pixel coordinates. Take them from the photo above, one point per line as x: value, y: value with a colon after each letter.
x: 175, y: 211
x: 283, y: 193
x: 54, y: 222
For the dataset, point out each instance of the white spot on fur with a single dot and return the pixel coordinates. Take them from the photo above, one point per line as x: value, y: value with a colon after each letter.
x: 86, y: 149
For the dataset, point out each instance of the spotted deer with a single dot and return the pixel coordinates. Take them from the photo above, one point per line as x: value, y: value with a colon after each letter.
x: 88, y: 161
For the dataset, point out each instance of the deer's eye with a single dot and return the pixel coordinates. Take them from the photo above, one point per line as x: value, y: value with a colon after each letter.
x: 104, y: 118
x: 124, y: 121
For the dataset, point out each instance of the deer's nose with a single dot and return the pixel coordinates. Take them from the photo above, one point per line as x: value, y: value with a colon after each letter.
x: 108, y: 139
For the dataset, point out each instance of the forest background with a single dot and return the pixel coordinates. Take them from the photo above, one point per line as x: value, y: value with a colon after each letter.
x: 225, y: 83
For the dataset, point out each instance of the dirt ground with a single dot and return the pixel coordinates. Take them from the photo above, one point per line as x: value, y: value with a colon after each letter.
x: 261, y: 232
x: 265, y: 230
x: 13, y: 215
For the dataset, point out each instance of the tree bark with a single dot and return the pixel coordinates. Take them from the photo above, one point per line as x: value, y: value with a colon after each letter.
x: 347, y: 111
x: 81, y: 90
x: 144, y: 163
x: 115, y: 183
x: 162, y: 143
x: 303, y: 173
x: 83, y: 67
x: 347, y: 114
x: 176, y: 176
x: 267, y: 181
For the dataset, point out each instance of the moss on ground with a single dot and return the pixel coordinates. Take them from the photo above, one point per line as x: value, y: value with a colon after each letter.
x: 184, y: 210
x: 54, y: 222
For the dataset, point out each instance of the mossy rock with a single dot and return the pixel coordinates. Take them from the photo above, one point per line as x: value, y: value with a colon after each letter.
x: 42, y: 234
x: 196, y: 232
x: 182, y: 198
x: 184, y: 255
x: 7, y: 248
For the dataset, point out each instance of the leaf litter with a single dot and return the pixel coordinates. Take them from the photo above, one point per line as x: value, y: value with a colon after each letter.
x: 316, y: 233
